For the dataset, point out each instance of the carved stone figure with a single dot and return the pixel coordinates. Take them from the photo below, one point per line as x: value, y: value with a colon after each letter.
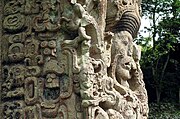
x: 71, y: 59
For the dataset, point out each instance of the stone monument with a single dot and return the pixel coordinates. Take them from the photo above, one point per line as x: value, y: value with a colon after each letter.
x: 71, y: 59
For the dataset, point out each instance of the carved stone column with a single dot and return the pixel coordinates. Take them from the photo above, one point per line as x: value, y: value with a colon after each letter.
x: 71, y: 59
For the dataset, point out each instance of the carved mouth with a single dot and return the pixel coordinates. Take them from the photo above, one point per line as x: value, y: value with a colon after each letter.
x: 126, y: 63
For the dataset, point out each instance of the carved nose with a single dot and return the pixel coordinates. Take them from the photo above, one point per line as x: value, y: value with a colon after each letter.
x: 133, y: 66
x: 129, y: 53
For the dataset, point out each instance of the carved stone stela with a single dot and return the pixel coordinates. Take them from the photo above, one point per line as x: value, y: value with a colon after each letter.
x: 71, y: 59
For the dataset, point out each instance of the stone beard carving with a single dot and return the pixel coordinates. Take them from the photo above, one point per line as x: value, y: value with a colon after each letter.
x: 71, y: 59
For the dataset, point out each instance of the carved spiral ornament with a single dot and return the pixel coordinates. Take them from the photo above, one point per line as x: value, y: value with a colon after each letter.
x: 14, y: 23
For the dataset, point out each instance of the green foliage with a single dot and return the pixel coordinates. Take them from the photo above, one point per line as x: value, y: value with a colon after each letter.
x: 164, y: 111
x: 160, y: 7
x: 164, y: 16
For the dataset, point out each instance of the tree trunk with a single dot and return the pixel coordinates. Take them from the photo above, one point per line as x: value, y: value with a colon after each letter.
x: 158, y: 95
x: 154, y: 25
x: 158, y: 88
x: 179, y: 95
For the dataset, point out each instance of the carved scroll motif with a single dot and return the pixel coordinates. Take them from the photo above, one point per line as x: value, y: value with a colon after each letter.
x: 71, y: 59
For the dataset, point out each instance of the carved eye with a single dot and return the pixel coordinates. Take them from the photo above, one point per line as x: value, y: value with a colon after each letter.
x: 17, y: 71
x: 125, y: 42
x: 125, y: 2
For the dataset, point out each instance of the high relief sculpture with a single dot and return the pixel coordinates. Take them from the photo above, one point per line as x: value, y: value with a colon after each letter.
x: 71, y: 59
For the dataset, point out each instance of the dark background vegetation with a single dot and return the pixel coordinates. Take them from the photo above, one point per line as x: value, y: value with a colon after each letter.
x: 160, y: 61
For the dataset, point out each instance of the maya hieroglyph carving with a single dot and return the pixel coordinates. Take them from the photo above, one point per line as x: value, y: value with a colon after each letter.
x: 71, y: 59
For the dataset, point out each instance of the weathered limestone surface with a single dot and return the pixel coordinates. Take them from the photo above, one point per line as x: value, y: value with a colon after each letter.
x: 71, y: 59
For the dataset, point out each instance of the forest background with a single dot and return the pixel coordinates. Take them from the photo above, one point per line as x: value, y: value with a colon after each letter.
x: 160, y: 60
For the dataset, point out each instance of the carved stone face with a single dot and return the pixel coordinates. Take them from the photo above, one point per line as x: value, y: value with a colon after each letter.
x: 52, y: 80
x: 124, y: 68
x: 122, y: 44
x: 122, y: 49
